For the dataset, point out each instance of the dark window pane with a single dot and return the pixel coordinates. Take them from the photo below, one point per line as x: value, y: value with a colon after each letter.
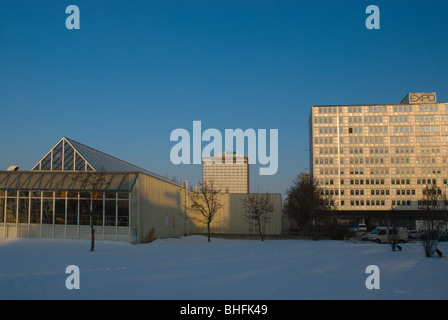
x: 80, y: 164
x: 23, y: 210
x: 72, y: 212
x: 11, y: 207
x: 68, y: 157
x: 35, y: 211
x: 72, y: 195
x: 59, y: 212
x: 57, y: 157
x: 36, y: 194
x: 123, y: 213
x: 111, y: 195
x: 97, y: 212
x: 86, y: 195
x: 48, y: 194
x: 47, y: 211
x: 24, y: 194
x: 123, y: 195
x: 12, y: 194
x: 111, y: 212
x: 84, y: 212
x: 2, y: 210
x: 46, y: 162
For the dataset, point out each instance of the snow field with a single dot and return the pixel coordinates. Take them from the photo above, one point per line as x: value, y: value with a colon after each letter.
x: 190, y: 268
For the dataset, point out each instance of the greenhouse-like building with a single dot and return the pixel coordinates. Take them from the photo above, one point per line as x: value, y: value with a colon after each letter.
x: 74, y: 183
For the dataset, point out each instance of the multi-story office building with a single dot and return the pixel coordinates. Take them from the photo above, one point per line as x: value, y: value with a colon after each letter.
x: 380, y: 157
x: 228, y: 172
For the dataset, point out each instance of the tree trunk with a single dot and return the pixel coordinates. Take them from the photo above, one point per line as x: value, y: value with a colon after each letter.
x: 259, y: 229
x: 208, y: 229
x: 92, y: 235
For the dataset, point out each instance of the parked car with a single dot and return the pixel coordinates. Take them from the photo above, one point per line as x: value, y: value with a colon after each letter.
x: 431, y: 235
x: 384, y: 234
x: 443, y: 237
x: 414, y: 235
x: 362, y: 227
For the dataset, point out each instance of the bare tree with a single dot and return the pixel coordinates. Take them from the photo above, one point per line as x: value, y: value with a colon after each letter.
x: 432, y: 211
x: 205, y: 203
x: 258, y: 207
x: 308, y: 205
x: 92, y: 184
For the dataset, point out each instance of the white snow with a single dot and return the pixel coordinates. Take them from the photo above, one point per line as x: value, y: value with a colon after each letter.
x: 190, y: 268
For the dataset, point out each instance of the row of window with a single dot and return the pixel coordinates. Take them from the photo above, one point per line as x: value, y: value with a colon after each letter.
x: 392, y: 119
x: 382, y: 171
x: 373, y: 171
x: 425, y: 160
x: 382, y: 129
x: 382, y: 181
x: 401, y: 150
x: 403, y: 129
x: 398, y: 119
x: 378, y: 202
x: 381, y: 161
x: 64, y: 208
x: 355, y: 192
x: 378, y: 140
x: 380, y: 109
x: 374, y: 192
x: 330, y: 130
x: 367, y: 202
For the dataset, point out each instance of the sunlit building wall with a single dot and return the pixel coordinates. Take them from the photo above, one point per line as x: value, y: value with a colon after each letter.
x: 228, y: 172
x: 380, y: 157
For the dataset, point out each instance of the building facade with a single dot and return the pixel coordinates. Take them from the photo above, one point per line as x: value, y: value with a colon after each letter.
x: 228, y: 172
x: 233, y: 217
x: 74, y: 183
x: 380, y: 157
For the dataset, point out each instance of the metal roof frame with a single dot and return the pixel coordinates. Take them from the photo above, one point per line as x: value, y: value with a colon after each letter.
x: 93, y: 159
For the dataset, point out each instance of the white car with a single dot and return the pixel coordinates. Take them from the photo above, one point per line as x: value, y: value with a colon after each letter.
x: 384, y: 234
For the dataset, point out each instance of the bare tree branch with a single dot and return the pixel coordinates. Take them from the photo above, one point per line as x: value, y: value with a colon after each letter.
x: 205, y: 204
x: 258, y: 207
x: 94, y: 184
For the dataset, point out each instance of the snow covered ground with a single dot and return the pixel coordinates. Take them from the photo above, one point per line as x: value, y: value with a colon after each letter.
x: 190, y: 268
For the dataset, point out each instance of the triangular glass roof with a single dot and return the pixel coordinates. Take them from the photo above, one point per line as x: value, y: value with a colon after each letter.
x: 70, y: 155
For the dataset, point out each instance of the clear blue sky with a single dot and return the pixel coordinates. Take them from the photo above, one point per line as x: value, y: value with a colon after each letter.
x: 137, y: 70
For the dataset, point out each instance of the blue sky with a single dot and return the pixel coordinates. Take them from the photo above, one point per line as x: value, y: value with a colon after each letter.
x: 137, y: 70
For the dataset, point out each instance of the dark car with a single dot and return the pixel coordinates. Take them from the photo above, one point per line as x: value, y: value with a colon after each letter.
x: 443, y: 237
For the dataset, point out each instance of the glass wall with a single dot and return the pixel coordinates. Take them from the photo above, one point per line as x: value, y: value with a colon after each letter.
x: 47, y: 208
x: 35, y: 207
x: 2, y: 206
x: 123, y: 209
x: 65, y: 208
x: 72, y: 208
x: 110, y: 209
x: 24, y: 202
x: 11, y: 206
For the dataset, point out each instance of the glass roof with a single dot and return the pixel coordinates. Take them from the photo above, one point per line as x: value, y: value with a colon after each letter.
x: 70, y: 155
